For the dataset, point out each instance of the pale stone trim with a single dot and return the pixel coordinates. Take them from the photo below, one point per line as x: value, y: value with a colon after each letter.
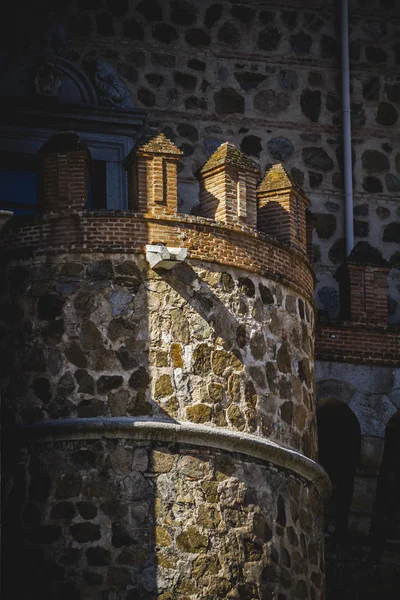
x: 185, y: 433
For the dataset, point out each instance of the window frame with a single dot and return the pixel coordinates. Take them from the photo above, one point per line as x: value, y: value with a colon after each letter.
x: 112, y: 149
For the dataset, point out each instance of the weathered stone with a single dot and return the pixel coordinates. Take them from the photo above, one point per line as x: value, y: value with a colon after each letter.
x: 361, y: 210
x: 287, y: 79
x: 257, y: 345
x: 250, y: 395
x: 265, y: 294
x: 86, y: 510
x: 286, y: 411
x: 63, y: 510
x: 394, y: 260
x: 234, y: 387
x: 182, y: 12
x: 387, y: 114
x: 305, y: 371
x: 201, y: 363
x: 328, y: 46
x: 383, y: 212
x: 375, y: 55
x: 257, y: 376
x: 269, y: 38
x: 246, y: 286
x: 280, y: 148
x: 229, y: 34
x: 197, y: 65
x: 106, y: 383
x: 100, y: 270
x: 391, y: 233
x: 332, y: 102
x: 392, y: 183
x: 251, y: 145
x: 75, y: 355
x: 281, y: 512
x: 163, y: 387
x: 220, y: 361
x: 185, y: 80
x: 213, y: 14
x: 315, y: 179
x: 393, y: 92
x: 283, y: 359
x: 198, y: 413
x: 317, y: 158
x: 140, y: 379
x: 249, y: 81
x: 188, y: 131
x: 301, y: 417
x: 236, y: 417
x: 91, y: 408
x: 164, y: 33
x: 372, y: 184
x: 325, y: 225
x: 358, y: 117
x: 85, y: 532
x: 139, y: 406
x: 315, y: 78
x: 191, y: 540
x: 197, y: 37
x: 300, y: 43
x: 50, y: 307
x: 371, y: 89
x: 216, y: 391
x: 271, y: 102
x: 192, y: 467
x: 228, y: 101
x: 162, y: 462
x: 361, y: 228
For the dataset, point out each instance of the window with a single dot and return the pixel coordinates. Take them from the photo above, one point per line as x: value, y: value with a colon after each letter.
x: 339, y: 442
x: 18, y: 183
x: 19, y: 149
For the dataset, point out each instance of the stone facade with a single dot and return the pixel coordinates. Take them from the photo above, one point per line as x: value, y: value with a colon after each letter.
x: 164, y: 420
x: 124, y: 519
x: 267, y: 79
x: 220, y: 352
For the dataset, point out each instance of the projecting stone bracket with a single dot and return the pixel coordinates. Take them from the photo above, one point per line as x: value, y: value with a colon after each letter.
x: 161, y: 257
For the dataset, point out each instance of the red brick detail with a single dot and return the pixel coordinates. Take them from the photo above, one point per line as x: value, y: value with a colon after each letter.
x: 108, y: 232
x: 282, y: 208
x: 65, y: 181
x: 368, y: 293
x: 152, y: 177
x: 310, y: 226
x: 228, y: 187
x: 358, y: 343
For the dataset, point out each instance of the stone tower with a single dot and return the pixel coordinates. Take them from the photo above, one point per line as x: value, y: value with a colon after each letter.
x: 161, y: 420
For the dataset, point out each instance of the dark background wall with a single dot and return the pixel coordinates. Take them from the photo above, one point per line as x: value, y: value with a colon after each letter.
x: 267, y: 78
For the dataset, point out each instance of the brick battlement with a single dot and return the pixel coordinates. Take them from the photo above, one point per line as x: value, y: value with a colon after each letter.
x: 358, y: 343
x: 115, y: 231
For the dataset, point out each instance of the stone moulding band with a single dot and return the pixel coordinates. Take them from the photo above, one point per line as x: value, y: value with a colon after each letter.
x: 186, y: 433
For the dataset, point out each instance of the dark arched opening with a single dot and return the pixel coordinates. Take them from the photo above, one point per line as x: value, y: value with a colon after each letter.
x: 339, y: 441
x: 385, y: 527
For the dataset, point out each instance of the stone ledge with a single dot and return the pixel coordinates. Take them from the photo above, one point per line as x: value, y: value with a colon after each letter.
x: 187, y: 433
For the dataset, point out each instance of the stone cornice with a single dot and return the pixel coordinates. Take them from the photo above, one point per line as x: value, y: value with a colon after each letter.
x: 182, y: 432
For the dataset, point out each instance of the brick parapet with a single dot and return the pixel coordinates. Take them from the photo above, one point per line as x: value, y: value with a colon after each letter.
x: 358, y: 343
x: 107, y: 231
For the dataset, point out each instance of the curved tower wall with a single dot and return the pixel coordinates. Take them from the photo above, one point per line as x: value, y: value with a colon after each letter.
x: 165, y: 418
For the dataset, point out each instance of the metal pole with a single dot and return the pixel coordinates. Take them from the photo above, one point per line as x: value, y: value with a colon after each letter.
x: 346, y: 120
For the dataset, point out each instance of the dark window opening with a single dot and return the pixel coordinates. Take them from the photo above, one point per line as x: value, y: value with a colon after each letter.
x: 339, y: 442
x: 19, y: 183
x: 385, y: 526
x: 97, y: 186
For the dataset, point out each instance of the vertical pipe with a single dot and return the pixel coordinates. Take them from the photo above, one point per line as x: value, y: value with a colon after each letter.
x: 346, y: 120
